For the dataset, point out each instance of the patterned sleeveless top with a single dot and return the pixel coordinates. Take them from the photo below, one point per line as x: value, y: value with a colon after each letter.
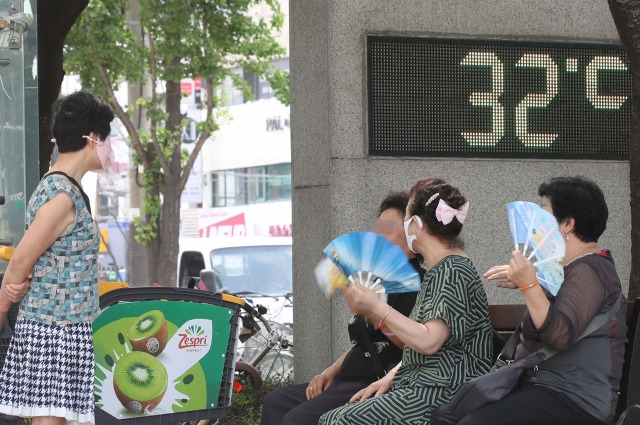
x: 452, y: 292
x: 64, y: 287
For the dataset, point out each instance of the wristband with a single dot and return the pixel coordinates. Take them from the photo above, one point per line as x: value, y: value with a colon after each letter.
x: 381, y: 322
x: 524, y: 288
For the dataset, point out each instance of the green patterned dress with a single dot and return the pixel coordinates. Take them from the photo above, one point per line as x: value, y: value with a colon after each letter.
x: 452, y: 292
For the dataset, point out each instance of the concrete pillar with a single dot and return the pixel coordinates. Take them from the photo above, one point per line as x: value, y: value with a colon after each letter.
x: 337, y: 185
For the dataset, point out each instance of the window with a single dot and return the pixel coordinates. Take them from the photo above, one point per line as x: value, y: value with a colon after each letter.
x: 223, y: 188
x: 261, y: 183
x: 253, y: 185
x: 278, y: 181
x: 255, y: 269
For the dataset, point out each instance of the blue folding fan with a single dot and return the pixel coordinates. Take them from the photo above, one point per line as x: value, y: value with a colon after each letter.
x: 373, y: 253
x: 535, y: 231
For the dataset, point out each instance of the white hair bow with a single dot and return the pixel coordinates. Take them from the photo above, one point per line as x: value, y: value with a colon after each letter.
x: 444, y: 213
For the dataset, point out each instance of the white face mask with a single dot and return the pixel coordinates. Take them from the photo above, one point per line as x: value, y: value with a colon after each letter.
x: 105, y: 153
x: 411, y: 238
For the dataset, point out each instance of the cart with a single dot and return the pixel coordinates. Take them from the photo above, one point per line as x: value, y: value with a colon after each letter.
x: 189, y: 341
x: 196, y: 345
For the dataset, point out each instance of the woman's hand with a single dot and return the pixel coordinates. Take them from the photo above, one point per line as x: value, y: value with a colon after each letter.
x: 15, y: 292
x: 361, y: 300
x: 381, y: 386
x: 521, y: 271
x: 499, y: 274
x: 318, y: 384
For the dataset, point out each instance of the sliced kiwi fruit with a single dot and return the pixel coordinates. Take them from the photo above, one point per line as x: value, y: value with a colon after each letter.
x: 140, y: 381
x: 148, y: 333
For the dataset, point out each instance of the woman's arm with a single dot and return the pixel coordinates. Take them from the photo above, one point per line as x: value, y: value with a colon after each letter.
x: 379, y: 387
x: 391, y: 336
x: 333, y: 370
x: 403, y: 303
x: 321, y: 382
x: 426, y: 338
x: 51, y: 220
x: 575, y: 305
x: 12, y: 294
x: 520, y: 274
x: 579, y: 300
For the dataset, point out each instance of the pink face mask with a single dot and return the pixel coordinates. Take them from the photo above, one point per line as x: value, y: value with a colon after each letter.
x: 105, y: 153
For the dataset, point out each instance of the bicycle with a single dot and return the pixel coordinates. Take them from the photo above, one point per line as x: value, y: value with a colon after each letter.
x: 266, y: 353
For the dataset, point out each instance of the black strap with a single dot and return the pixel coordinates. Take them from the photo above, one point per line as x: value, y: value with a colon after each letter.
x: 76, y: 184
x: 596, y: 323
x: 373, y: 353
x: 508, y: 352
x: 507, y: 355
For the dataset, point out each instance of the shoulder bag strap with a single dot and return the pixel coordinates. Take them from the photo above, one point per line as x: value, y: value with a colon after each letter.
x: 508, y: 352
x: 76, y: 184
x: 373, y: 353
x: 597, y: 322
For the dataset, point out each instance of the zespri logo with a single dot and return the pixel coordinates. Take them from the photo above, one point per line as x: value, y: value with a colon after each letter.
x: 194, y: 336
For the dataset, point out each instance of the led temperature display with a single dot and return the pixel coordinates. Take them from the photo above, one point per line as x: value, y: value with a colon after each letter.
x: 494, y: 98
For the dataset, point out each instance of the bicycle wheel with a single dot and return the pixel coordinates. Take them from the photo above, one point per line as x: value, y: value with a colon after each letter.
x: 248, y: 376
x: 276, y: 366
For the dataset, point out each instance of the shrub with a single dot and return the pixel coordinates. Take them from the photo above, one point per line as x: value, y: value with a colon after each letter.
x: 246, y: 406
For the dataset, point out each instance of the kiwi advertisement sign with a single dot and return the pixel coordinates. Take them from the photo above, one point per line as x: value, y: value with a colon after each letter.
x: 160, y: 357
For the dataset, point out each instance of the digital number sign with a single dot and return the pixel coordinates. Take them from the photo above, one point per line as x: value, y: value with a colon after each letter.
x: 492, y: 98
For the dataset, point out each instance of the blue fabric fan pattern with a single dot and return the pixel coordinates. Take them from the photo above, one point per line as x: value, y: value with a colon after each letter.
x: 536, y: 232
x: 370, y: 252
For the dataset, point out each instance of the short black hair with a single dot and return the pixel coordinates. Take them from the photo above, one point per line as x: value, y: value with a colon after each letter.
x: 79, y: 114
x: 580, y: 199
x: 396, y: 200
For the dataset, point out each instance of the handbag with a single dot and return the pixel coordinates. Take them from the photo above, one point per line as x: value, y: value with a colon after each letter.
x: 505, y: 375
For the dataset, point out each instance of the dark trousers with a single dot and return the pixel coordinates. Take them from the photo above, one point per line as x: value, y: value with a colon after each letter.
x: 529, y: 405
x: 289, y: 405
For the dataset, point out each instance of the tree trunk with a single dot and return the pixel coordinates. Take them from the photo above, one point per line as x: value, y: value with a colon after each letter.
x: 626, y: 15
x: 165, y: 245
x: 153, y: 253
x: 55, y: 19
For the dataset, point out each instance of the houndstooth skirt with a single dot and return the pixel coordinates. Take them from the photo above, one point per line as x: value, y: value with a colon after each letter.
x: 49, y: 372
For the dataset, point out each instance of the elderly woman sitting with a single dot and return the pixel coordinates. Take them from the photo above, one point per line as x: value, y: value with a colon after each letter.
x: 579, y: 384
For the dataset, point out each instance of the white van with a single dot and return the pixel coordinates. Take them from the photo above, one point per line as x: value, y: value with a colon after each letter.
x: 258, y: 269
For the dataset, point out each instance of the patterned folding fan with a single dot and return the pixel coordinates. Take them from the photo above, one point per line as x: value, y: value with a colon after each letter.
x: 373, y: 253
x: 535, y: 231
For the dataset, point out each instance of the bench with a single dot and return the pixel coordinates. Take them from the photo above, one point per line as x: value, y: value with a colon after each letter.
x: 505, y: 318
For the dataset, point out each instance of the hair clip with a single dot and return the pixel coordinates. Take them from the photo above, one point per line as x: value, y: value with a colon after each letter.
x: 433, y: 197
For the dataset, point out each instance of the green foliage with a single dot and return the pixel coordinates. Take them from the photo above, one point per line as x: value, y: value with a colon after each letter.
x: 279, y: 81
x: 147, y: 229
x: 180, y: 39
x: 246, y: 406
x: 100, y: 48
